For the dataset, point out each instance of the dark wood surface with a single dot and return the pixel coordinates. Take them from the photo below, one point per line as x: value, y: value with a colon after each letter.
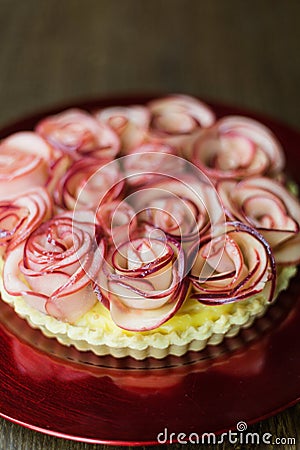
x: 55, y: 51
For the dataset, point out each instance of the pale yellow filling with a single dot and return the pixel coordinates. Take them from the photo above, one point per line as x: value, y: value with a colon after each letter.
x: 191, y: 314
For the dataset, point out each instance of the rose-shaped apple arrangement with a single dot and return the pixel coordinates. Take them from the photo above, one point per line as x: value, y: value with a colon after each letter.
x: 166, y: 120
x: 85, y: 186
x: 232, y: 266
x: 77, y: 133
x: 20, y: 216
x: 25, y: 161
x: 142, y: 282
x: 129, y: 122
x: 100, y: 206
x: 179, y: 115
x: 236, y: 148
x: 143, y: 276
x: 183, y: 206
x: 55, y: 262
x: 268, y: 206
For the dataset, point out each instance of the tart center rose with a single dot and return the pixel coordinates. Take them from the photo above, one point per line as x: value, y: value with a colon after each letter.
x: 184, y: 207
x: 142, y: 282
x: 150, y: 161
x: 232, y: 266
x: 54, y: 268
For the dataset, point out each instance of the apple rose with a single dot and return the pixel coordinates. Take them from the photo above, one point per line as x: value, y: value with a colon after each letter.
x: 141, y: 282
x: 232, y: 266
x: 179, y: 115
x: 129, y: 122
x: 24, y: 160
x: 117, y: 221
x: 57, y: 171
x: 149, y: 161
x: 184, y: 207
x: 236, y: 148
x: 58, y: 262
x: 268, y: 206
x: 21, y: 215
x: 79, y: 134
x: 87, y: 183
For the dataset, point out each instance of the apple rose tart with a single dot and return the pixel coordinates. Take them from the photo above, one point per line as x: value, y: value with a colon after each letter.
x: 145, y: 230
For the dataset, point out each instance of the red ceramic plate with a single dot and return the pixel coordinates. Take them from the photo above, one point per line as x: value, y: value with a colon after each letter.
x: 60, y: 391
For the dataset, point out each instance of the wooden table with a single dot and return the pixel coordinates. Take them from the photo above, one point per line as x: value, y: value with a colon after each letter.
x: 246, y: 54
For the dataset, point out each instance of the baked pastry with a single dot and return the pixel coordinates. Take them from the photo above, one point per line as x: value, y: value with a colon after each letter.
x: 145, y: 230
